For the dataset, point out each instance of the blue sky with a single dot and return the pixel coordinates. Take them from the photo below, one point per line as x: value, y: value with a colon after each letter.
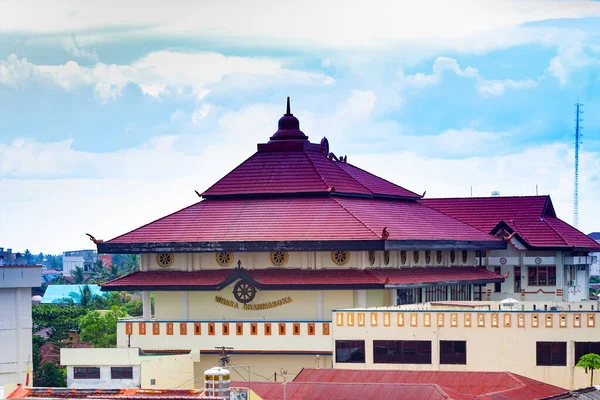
x: 113, y: 113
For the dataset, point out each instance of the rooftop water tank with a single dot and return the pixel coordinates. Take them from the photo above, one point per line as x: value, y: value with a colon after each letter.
x: 217, y: 383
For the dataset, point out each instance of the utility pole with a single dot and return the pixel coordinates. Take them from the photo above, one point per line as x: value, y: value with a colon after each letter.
x: 283, y: 374
x: 578, y: 136
x: 224, y: 355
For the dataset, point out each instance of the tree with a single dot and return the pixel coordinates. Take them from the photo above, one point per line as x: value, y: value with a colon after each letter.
x: 57, y: 319
x: 101, y: 328
x: 78, y: 275
x: 28, y: 257
x: 36, y: 359
x: 51, y: 376
x: 132, y: 264
x: 85, y: 298
x: 589, y: 362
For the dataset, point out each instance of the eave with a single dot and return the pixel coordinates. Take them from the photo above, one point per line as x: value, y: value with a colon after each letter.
x: 297, y: 245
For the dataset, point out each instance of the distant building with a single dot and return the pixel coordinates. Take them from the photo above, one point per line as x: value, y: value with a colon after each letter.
x: 595, y: 267
x: 59, y: 294
x: 84, y: 259
x: 16, y: 282
x: 7, y: 257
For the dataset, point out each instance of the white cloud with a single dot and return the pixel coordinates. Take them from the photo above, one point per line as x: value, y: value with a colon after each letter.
x: 571, y: 57
x: 200, y: 113
x: 336, y: 23
x: 162, y: 73
x: 485, y: 87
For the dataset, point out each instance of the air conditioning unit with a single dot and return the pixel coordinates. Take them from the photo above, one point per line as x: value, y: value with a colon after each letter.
x: 571, y: 283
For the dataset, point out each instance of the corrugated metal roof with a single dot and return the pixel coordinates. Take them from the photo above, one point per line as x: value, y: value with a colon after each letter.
x: 58, y: 293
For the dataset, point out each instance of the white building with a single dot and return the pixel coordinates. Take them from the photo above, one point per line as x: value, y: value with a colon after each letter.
x: 595, y: 267
x: 15, y: 320
x: 84, y: 259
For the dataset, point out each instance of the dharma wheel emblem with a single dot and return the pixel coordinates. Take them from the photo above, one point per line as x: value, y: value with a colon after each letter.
x: 340, y: 257
x: 244, y: 292
x: 279, y: 258
x: 165, y: 260
x: 224, y: 259
x: 538, y: 260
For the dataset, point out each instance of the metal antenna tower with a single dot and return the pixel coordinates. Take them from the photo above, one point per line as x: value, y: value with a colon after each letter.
x: 578, y: 136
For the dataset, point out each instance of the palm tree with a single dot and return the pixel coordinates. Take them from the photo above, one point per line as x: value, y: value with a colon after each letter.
x: 84, y: 297
x: 78, y: 275
x: 589, y: 362
x: 132, y: 264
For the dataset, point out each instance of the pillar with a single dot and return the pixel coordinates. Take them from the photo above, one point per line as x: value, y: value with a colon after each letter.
x: 185, y: 305
x: 393, y: 294
x: 18, y: 334
x: 560, y: 275
x: 146, y: 304
x: 320, y: 304
x: 361, y: 298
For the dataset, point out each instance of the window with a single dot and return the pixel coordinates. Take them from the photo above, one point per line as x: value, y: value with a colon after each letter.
x: 551, y: 353
x: 402, y: 351
x: 121, y: 373
x: 436, y: 293
x: 583, y: 348
x: 498, y: 285
x: 86, y: 373
x: 542, y: 276
x: 478, y: 292
x: 408, y: 296
x: 453, y: 352
x: 350, y: 351
x: 460, y: 292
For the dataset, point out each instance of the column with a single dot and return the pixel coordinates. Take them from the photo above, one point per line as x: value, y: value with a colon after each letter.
x: 560, y: 275
x: 320, y: 304
x: 18, y: 335
x: 147, y: 313
x: 361, y: 298
x: 185, y: 305
x: 393, y: 294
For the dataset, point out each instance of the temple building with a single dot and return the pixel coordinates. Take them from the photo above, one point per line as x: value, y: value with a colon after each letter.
x: 254, y: 269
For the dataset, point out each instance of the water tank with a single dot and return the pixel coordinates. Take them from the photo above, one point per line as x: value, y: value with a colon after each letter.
x: 509, y: 304
x: 217, y: 383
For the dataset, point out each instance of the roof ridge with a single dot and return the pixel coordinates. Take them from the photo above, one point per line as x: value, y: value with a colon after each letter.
x: 316, y: 169
x: 454, y: 218
x: 379, y: 177
x: 339, y: 169
x: 486, y: 197
x: 355, y: 217
x: 555, y: 231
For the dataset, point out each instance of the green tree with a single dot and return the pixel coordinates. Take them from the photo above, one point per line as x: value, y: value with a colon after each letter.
x: 36, y: 359
x: 85, y: 298
x: 589, y: 362
x: 78, y: 275
x: 101, y: 328
x: 132, y: 264
x: 28, y: 257
x: 57, y: 319
x: 51, y: 376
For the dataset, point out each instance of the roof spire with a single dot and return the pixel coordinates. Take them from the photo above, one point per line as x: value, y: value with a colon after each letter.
x: 289, y: 127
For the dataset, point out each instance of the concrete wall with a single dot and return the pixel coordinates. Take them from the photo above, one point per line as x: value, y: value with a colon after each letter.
x: 105, y: 381
x: 15, y: 321
x: 489, y: 348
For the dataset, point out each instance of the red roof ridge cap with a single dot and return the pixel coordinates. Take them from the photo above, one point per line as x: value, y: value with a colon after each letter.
x: 327, y: 186
x: 355, y: 217
x: 121, y: 277
x: 383, y: 179
x: 456, y: 219
x: 486, y: 197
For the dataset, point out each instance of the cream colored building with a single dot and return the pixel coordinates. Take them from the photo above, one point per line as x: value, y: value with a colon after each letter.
x: 542, y: 345
x: 252, y: 271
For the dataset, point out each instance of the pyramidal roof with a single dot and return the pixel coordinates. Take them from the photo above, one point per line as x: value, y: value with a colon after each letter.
x: 295, y: 195
x: 289, y: 164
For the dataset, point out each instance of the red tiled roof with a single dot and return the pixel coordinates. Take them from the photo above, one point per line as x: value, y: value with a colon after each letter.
x: 531, y: 217
x: 301, y: 278
x: 304, y: 170
x: 303, y: 218
x: 344, y: 391
x: 461, y: 385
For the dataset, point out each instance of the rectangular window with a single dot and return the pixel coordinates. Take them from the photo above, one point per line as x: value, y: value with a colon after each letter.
x: 169, y: 328
x: 211, y: 328
x: 326, y: 328
x: 121, y: 373
x: 86, y: 373
x: 282, y: 328
x: 128, y: 328
x: 551, y: 353
x: 311, y: 328
x: 156, y: 328
x: 296, y: 328
x: 225, y: 328
x: 542, y: 276
x: 498, y: 285
x: 583, y: 348
x: 478, y: 292
x: 183, y: 328
x: 253, y: 328
x: 197, y: 328
x: 408, y: 296
x: 239, y: 328
x: 142, y: 328
x: 517, y: 283
x: 350, y: 351
x: 267, y: 327
x: 453, y: 352
x: 402, y: 351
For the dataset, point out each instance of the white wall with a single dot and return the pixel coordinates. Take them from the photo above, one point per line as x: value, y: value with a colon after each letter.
x: 105, y: 381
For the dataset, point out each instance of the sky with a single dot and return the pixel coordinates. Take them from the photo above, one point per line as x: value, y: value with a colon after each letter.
x: 113, y: 113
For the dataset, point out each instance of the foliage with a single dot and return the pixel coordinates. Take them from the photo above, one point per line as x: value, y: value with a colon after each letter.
x: 589, y: 362
x: 36, y: 359
x: 50, y: 375
x: 49, y: 260
x: 595, y: 279
x: 59, y: 318
x: 78, y: 275
x: 85, y: 298
x: 101, y: 328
